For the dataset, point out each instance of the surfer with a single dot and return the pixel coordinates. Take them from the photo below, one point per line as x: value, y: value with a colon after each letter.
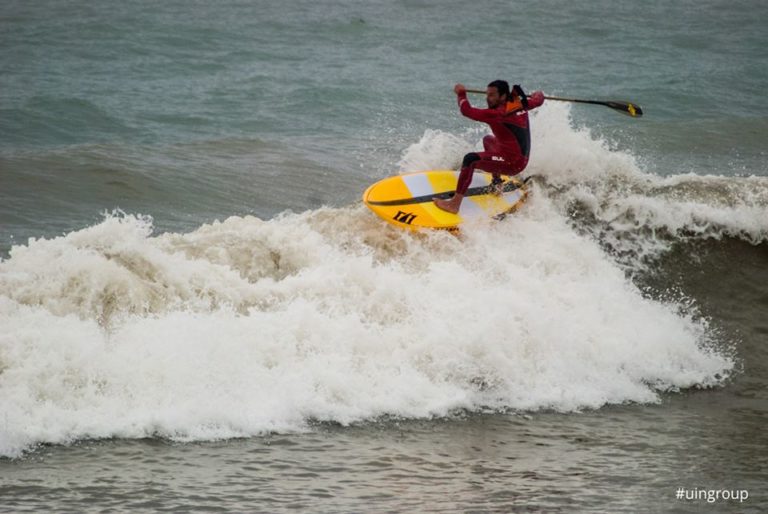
x: 506, y: 151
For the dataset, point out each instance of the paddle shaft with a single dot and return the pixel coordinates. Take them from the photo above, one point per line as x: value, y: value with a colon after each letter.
x: 628, y: 108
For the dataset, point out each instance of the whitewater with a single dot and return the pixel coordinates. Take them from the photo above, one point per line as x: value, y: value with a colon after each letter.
x: 245, y: 327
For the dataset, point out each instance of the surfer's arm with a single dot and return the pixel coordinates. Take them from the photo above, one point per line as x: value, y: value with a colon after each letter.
x: 473, y: 113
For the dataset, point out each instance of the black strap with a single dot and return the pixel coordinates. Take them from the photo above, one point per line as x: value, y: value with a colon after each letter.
x: 523, y: 97
x: 509, y: 185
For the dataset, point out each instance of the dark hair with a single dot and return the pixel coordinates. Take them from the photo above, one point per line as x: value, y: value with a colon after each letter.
x: 502, y: 86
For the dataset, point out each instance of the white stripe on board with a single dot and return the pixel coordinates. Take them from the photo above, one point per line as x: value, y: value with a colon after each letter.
x: 470, y: 209
x: 513, y: 197
x: 418, y: 184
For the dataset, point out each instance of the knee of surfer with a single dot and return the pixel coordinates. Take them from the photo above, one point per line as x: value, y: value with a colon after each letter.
x: 469, y: 159
x: 489, y: 143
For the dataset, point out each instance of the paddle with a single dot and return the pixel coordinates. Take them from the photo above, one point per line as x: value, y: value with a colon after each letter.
x: 628, y: 108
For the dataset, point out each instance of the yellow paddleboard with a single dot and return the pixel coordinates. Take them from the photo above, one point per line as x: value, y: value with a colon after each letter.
x: 406, y: 200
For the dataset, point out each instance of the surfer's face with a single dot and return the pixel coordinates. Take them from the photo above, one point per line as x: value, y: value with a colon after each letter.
x: 493, y: 98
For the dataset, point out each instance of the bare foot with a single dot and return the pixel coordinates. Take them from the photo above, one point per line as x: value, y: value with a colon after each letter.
x: 451, y: 205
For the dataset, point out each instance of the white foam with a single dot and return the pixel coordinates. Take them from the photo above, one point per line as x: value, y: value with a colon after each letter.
x: 439, y: 150
x: 247, y: 326
x: 640, y: 213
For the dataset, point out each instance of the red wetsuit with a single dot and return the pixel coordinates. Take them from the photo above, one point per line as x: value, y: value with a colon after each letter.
x: 506, y: 151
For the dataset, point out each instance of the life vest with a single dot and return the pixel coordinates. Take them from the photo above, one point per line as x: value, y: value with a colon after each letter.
x: 513, y: 106
x: 517, y: 102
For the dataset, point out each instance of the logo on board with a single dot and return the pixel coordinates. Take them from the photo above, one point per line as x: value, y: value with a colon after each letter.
x: 404, y: 217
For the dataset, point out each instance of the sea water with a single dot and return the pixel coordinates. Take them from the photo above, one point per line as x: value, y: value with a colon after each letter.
x: 196, y: 312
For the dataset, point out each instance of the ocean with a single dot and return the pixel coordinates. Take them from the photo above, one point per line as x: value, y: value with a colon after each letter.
x: 198, y: 313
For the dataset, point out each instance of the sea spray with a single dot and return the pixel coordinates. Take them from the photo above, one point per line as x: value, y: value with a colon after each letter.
x: 635, y: 215
x: 248, y: 326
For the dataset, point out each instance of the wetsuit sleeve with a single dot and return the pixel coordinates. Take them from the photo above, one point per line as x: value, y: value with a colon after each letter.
x: 473, y: 113
x: 535, y: 99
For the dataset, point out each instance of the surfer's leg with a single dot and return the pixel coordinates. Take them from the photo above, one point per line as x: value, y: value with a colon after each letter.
x: 467, y: 170
x: 490, y: 145
x: 465, y: 179
x: 498, y: 164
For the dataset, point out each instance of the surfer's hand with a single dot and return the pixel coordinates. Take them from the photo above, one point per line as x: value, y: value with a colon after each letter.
x: 459, y: 89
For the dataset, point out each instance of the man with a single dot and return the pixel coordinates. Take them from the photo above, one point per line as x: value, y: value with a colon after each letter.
x: 506, y: 151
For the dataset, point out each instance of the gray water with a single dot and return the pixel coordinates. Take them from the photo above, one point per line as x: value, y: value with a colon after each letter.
x: 591, y: 462
x: 197, y: 313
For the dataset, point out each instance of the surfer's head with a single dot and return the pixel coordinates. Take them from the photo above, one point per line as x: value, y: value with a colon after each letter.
x: 497, y: 93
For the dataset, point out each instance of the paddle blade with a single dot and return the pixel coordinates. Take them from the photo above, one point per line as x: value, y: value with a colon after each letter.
x: 627, y: 108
